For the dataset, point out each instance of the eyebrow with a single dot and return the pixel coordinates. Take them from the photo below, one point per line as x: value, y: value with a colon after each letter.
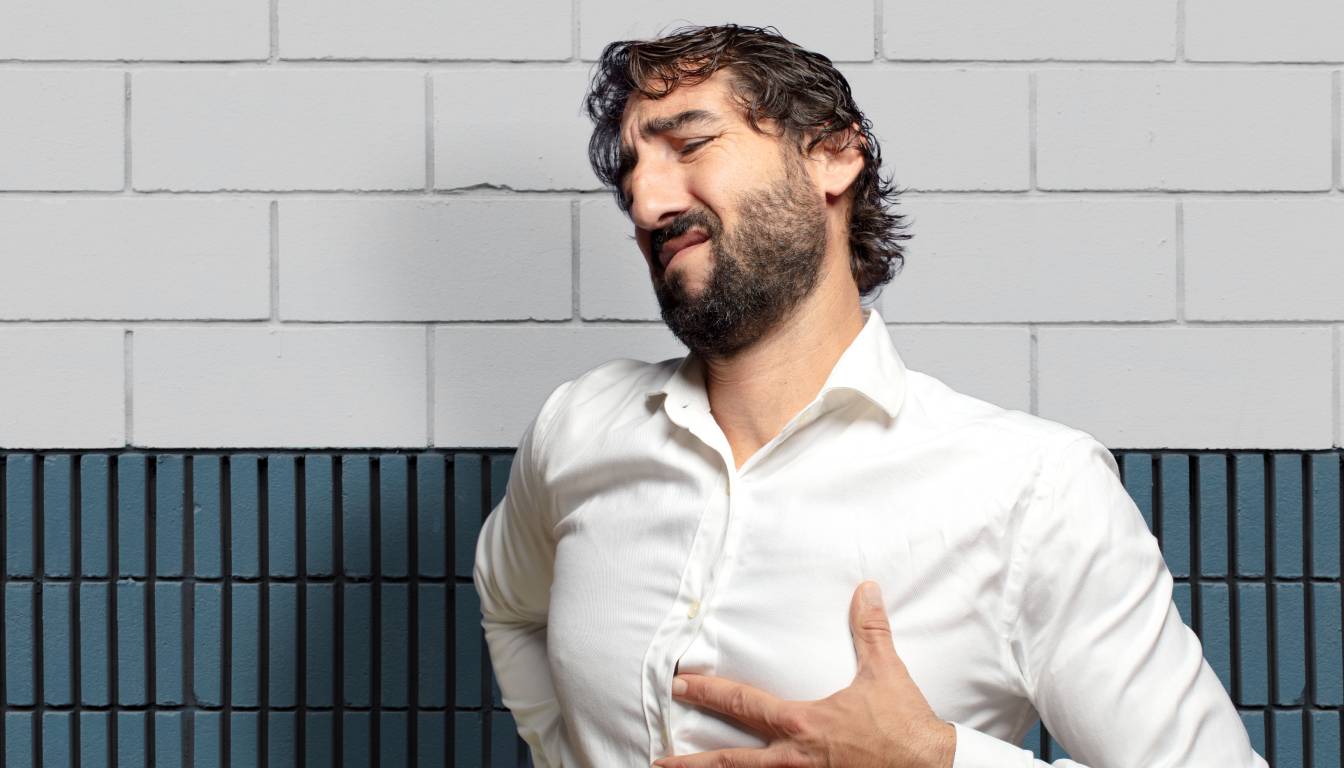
x: 656, y: 126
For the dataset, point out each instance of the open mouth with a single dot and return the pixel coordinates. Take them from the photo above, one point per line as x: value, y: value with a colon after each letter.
x: 680, y: 243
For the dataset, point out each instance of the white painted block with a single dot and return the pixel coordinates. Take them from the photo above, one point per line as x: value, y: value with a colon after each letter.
x: 948, y: 129
x: 1181, y: 387
x: 614, y: 280
x: 1264, y: 259
x: 841, y: 30
x: 1138, y: 30
x: 213, y: 30
x: 489, y: 382
x: 988, y: 362
x: 424, y: 29
x: 1253, y: 30
x: 485, y: 134
x: 343, y: 387
x: 1207, y: 129
x: 62, y: 129
x: 453, y: 259
x: 134, y: 258
x: 1036, y: 260
x: 62, y: 387
x: 217, y: 129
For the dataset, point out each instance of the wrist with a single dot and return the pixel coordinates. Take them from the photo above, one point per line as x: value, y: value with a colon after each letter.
x: 944, y: 748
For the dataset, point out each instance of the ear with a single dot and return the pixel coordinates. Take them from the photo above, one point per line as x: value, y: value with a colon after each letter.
x: 838, y: 161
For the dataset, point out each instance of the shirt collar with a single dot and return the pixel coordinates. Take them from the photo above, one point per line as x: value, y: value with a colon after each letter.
x: 869, y: 367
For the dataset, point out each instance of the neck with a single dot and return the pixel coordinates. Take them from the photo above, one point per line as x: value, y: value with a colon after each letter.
x: 754, y: 393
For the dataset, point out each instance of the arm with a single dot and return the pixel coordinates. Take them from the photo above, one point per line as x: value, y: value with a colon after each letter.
x: 514, y: 558
x: 1116, y: 675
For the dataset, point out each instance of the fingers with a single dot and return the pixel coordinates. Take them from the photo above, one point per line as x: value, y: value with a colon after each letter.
x: 870, y: 627
x: 750, y: 706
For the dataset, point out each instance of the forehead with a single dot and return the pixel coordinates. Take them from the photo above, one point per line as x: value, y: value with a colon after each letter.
x: 713, y: 95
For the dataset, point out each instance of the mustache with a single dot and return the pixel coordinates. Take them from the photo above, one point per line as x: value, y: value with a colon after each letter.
x: 680, y: 226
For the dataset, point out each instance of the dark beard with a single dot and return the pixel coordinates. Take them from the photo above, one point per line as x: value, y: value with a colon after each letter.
x: 761, y: 271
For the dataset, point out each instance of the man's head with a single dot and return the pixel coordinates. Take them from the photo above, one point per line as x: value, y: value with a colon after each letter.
x: 746, y: 157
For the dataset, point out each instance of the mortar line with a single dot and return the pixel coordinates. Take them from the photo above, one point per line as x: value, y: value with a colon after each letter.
x: 126, y: 185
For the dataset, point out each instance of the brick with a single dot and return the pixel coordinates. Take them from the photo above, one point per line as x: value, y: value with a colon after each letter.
x: 437, y: 260
x: 1250, y: 523
x: 218, y: 129
x: 94, y: 515
x: 283, y: 632
x: 132, y: 515
x: 394, y: 515
x: 208, y: 517
x: 423, y: 29
x: 232, y: 387
x: 990, y: 363
x: 170, y: 515
x: 245, y: 512
x: 94, y: 728
x: 282, y: 519
x: 1213, y: 540
x: 132, y: 748
x: 208, y: 658
x: 1288, y: 513
x: 614, y: 278
x: 1173, y: 387
x: 1092, y: 30
x: 56, y: 733
x: 20, y: 642
x: 319, y: 520
x: 282, y: 732
x: 469, y: 510
x: 538, y: 142
x: 169, y: 648
x: 843, y: 30
x: 1288, y: 265
x: 357, y: 739
x: 1329, y: 680
x: 1245, y: 30
x: 434, y: 659
x: 132, y: 642
x: 490, y: 381
x: 949, y: 129
x: 320, y: 655
x: 20, y: 515
x: 357, y: 516
x: 62, y: 129
x: 244, y: 739
x: 1174, y: 531
x: 431, y: 515
x: 1325, y: 513
x: 359, y: 628
x: 57, y: 638
x: 207, y: 739
x: 469, y: 643
x: 19, y: 738
x: 62, y: 387
x: 1065, y: 260
x: 394, y: 645
x: 1290, y: 644
x: 1183, y: 129
x: 432, y: 749
x: 170, y: 739
x: 57, y: 516
x: 320, y: 742
x: 245, y: 670
x: 110, y: 258
x: 94, y: 671
x: 209, y: 30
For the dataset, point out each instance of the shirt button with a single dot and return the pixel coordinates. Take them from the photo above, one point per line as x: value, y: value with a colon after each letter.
x: 694, y: 610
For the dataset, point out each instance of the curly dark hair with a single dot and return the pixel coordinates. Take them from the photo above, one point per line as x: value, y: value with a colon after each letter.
x: 771, y: 79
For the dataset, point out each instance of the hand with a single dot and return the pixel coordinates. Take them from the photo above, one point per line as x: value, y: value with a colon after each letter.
x: 880, y: 721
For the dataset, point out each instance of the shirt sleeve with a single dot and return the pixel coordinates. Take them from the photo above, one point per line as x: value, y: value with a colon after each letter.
x: 1116, y: 676
x: 514, y: 557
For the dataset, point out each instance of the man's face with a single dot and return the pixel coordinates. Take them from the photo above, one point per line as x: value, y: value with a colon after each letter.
x: 729, y: 220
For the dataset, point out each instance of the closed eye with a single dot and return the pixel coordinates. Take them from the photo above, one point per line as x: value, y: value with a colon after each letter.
x: 691, y: 146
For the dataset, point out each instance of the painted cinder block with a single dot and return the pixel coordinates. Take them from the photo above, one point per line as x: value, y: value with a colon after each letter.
x: 1290, y: 644
x: 57, y: 644
x: 132, y: 740
x: 1325, y: 741
x: 394, y: 514
x: 511, y: 29
x: 244, y: 739
x: 169, y: 514
x: 70, y: 382
x: 393, y: 738
x: 170, y: 739
x: 95, y: 542
x: 431, y: 515
x: 1183, y: 129
x: 263, y: 129
x: 19, y: 738
x: 1289, y: 514
x: 469, y: 509
x: 1032, y: 30
x: 282, y: 732
x: 319, y: 738
x: 282, y: 516
x: 394, y: 646
x: 95, y: 670
x: 1253, y: 634
x: 245, y: 515
x: 68, y: 135
x: 432, y: 748
x: 1245, y: 30
x: 20, y: 642
x: 1213, y: 495
x: 469, y: 643
x: 208, y: 739
x: 1288, y: 741
x: 283, y: 634
x: 132, y: 643
x: 434, y: 656
x: 1328, y: 644
x: 1215, y: 611
x: 1250, y: 514
x: 133, y: 528
x: 57, y: 731
x: 357, y: 739
x: 57, y: 515
x: 447, y: 259
x: 319, y: 515
x: 990, y: 362
x: 208, y: 634
x: 1325, y: 512
x: 211, y: 30
x: 320, y: 655
x: 359, y: 628
x: 208, y: 516
x: 357, y: 516
x: 613, y: 275
x: 1174, y: 471
x: 245, y: 664
x: 468, y: 739
x: 523, y: 144
x: 169, y: 649
x: 94, y: 731
x: 20, y: 509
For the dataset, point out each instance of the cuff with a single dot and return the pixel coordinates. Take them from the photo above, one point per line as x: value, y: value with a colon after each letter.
x: 980, y: 750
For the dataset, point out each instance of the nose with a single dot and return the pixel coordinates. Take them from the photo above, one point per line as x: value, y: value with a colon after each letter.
x: 658, y: 193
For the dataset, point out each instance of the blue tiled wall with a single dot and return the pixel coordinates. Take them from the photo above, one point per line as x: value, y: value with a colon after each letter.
x: 290, y: 609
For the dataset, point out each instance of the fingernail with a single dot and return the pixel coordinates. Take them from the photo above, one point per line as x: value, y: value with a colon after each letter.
x: 871, y: 595
x: 678, y: 686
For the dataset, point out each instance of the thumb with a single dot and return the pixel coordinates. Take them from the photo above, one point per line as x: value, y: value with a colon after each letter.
x: 870, y: 627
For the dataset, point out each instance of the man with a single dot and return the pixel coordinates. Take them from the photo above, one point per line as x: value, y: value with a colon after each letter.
x: 787, y: 549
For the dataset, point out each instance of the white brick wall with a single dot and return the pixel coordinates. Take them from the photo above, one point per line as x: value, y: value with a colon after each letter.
x: 292, y: 223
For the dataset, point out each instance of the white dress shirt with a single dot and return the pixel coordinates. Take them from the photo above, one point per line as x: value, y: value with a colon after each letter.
x: 1020, y: 579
